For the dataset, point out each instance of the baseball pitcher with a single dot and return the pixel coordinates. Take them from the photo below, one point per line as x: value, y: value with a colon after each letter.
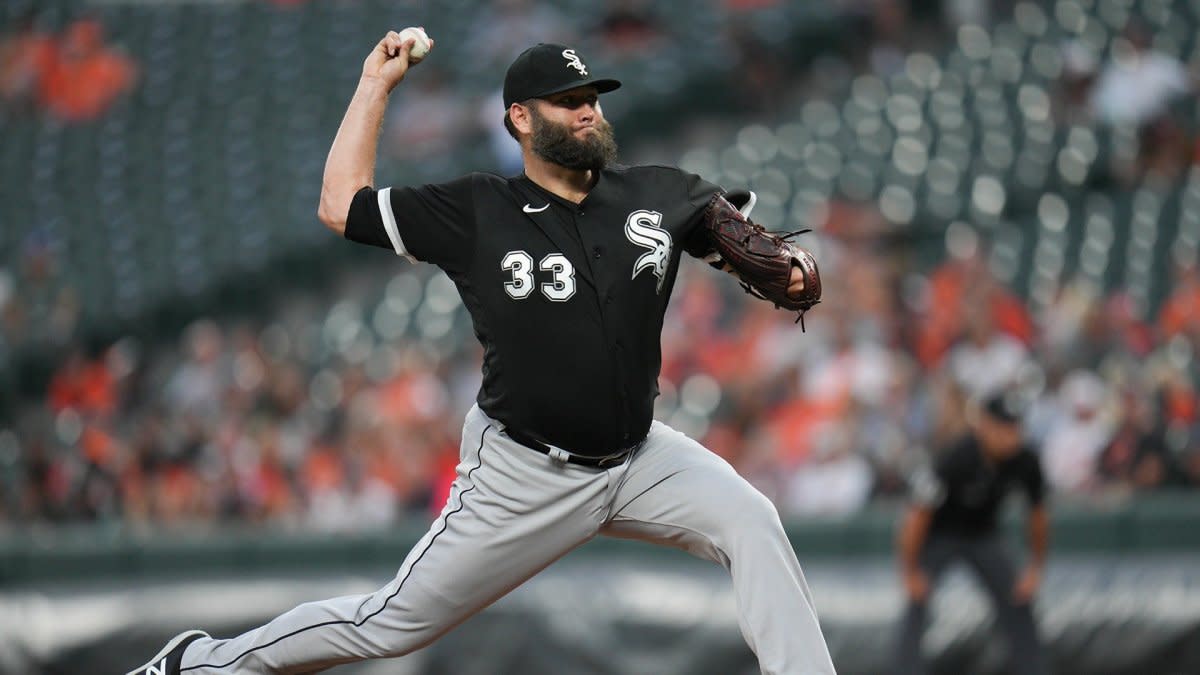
x: 565, y: 271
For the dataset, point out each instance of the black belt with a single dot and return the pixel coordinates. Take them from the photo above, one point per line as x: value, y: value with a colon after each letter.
x: 607, y: 461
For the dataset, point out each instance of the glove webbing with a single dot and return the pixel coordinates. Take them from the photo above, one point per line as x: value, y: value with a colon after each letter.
x: 755, y: 292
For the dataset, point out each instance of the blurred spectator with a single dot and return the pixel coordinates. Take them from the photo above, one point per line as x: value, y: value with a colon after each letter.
x: 629, y: 29
x: 836, y: 480
x: 1181, y: 311
x: 1163, y: 150
x: 1137, y: 459
x: 26, y: 55
x: 986, y: 360
x: 964, y: 286
x: 856, y: 367
x: 45, y: 308
x: 84, y: 385
x: 893, y: 425
x: 1136, y: 86
x: 198, y: 387
x: 890, y: 36
x: 86, y: 76
x: 1177, y: 384
x: 9, y: 307
x: 1082, y: 430
x: 1109, y: 335
x: 1064, y: 318
x: 1082, y: 330
x: 756, y: 77
x: 1074, y: 94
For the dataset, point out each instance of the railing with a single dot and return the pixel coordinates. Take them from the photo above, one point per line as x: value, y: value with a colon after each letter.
x: 1167, y: 522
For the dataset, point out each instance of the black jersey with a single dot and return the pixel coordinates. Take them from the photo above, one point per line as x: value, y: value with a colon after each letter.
x: 966, y: 489
x: 566, y: 299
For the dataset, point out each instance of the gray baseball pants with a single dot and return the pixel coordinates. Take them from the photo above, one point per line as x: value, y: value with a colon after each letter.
x: 512, y: 511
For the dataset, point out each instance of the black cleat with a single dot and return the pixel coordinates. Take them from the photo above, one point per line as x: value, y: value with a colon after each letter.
x: 166, y: 661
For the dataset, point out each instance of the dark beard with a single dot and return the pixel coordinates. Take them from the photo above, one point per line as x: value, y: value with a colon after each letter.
x: 553, y: 142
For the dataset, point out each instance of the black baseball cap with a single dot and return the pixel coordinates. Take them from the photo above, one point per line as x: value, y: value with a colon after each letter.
x: 1005, y: 406
x: 546, y: 69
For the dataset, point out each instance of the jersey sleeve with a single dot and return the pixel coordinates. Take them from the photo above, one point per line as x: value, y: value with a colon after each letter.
x: 698, y: 193
x: 927, y: 486
x: 1035, y: 480
x: 931, y: 484
x: 431, y: 223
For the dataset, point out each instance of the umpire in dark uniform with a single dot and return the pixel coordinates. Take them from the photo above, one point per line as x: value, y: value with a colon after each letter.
x: 953, y: 518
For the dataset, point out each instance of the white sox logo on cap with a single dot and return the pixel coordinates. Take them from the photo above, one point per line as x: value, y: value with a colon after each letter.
x: 643, y: 229
x: 574, y: 62
x: 546, y: 69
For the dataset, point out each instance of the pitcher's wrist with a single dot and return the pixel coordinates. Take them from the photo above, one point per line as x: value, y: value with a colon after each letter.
x: 373, y: 85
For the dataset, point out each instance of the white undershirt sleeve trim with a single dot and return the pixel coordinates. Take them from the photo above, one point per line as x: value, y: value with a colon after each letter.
x: 749, y: 206
x: 389, y: 224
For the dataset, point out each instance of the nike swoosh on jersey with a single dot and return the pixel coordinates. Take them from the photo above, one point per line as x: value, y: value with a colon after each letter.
x: 529, y: 209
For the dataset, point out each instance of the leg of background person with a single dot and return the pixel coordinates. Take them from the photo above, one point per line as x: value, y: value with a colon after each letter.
x: 510, y: 514
x: 990, y: 559
x: 935, y: 557
x: 679, y: 494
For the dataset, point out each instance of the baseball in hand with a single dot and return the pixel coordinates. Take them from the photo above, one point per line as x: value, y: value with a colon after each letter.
x: 420, y: 43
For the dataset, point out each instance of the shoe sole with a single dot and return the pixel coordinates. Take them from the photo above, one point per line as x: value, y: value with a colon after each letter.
x: 167, y: 650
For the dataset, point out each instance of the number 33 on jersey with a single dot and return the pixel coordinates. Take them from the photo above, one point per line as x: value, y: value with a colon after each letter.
x: 641, y: 228
x: 567, y: 300
x: 520, y: 264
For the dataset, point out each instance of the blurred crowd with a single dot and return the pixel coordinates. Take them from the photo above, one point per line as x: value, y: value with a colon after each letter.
x: 315, y: 420
x: 330, y: 417
x: 59, y: 67
x: 887, y: 378
x: 437, y: 116
x: 72, y: 75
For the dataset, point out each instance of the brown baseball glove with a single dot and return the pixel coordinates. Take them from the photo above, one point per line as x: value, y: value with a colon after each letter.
x: 762, y: 260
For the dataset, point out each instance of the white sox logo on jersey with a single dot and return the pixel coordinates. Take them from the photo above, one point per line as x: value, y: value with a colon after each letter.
x: 642, y: 228
x: 574, y: 62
